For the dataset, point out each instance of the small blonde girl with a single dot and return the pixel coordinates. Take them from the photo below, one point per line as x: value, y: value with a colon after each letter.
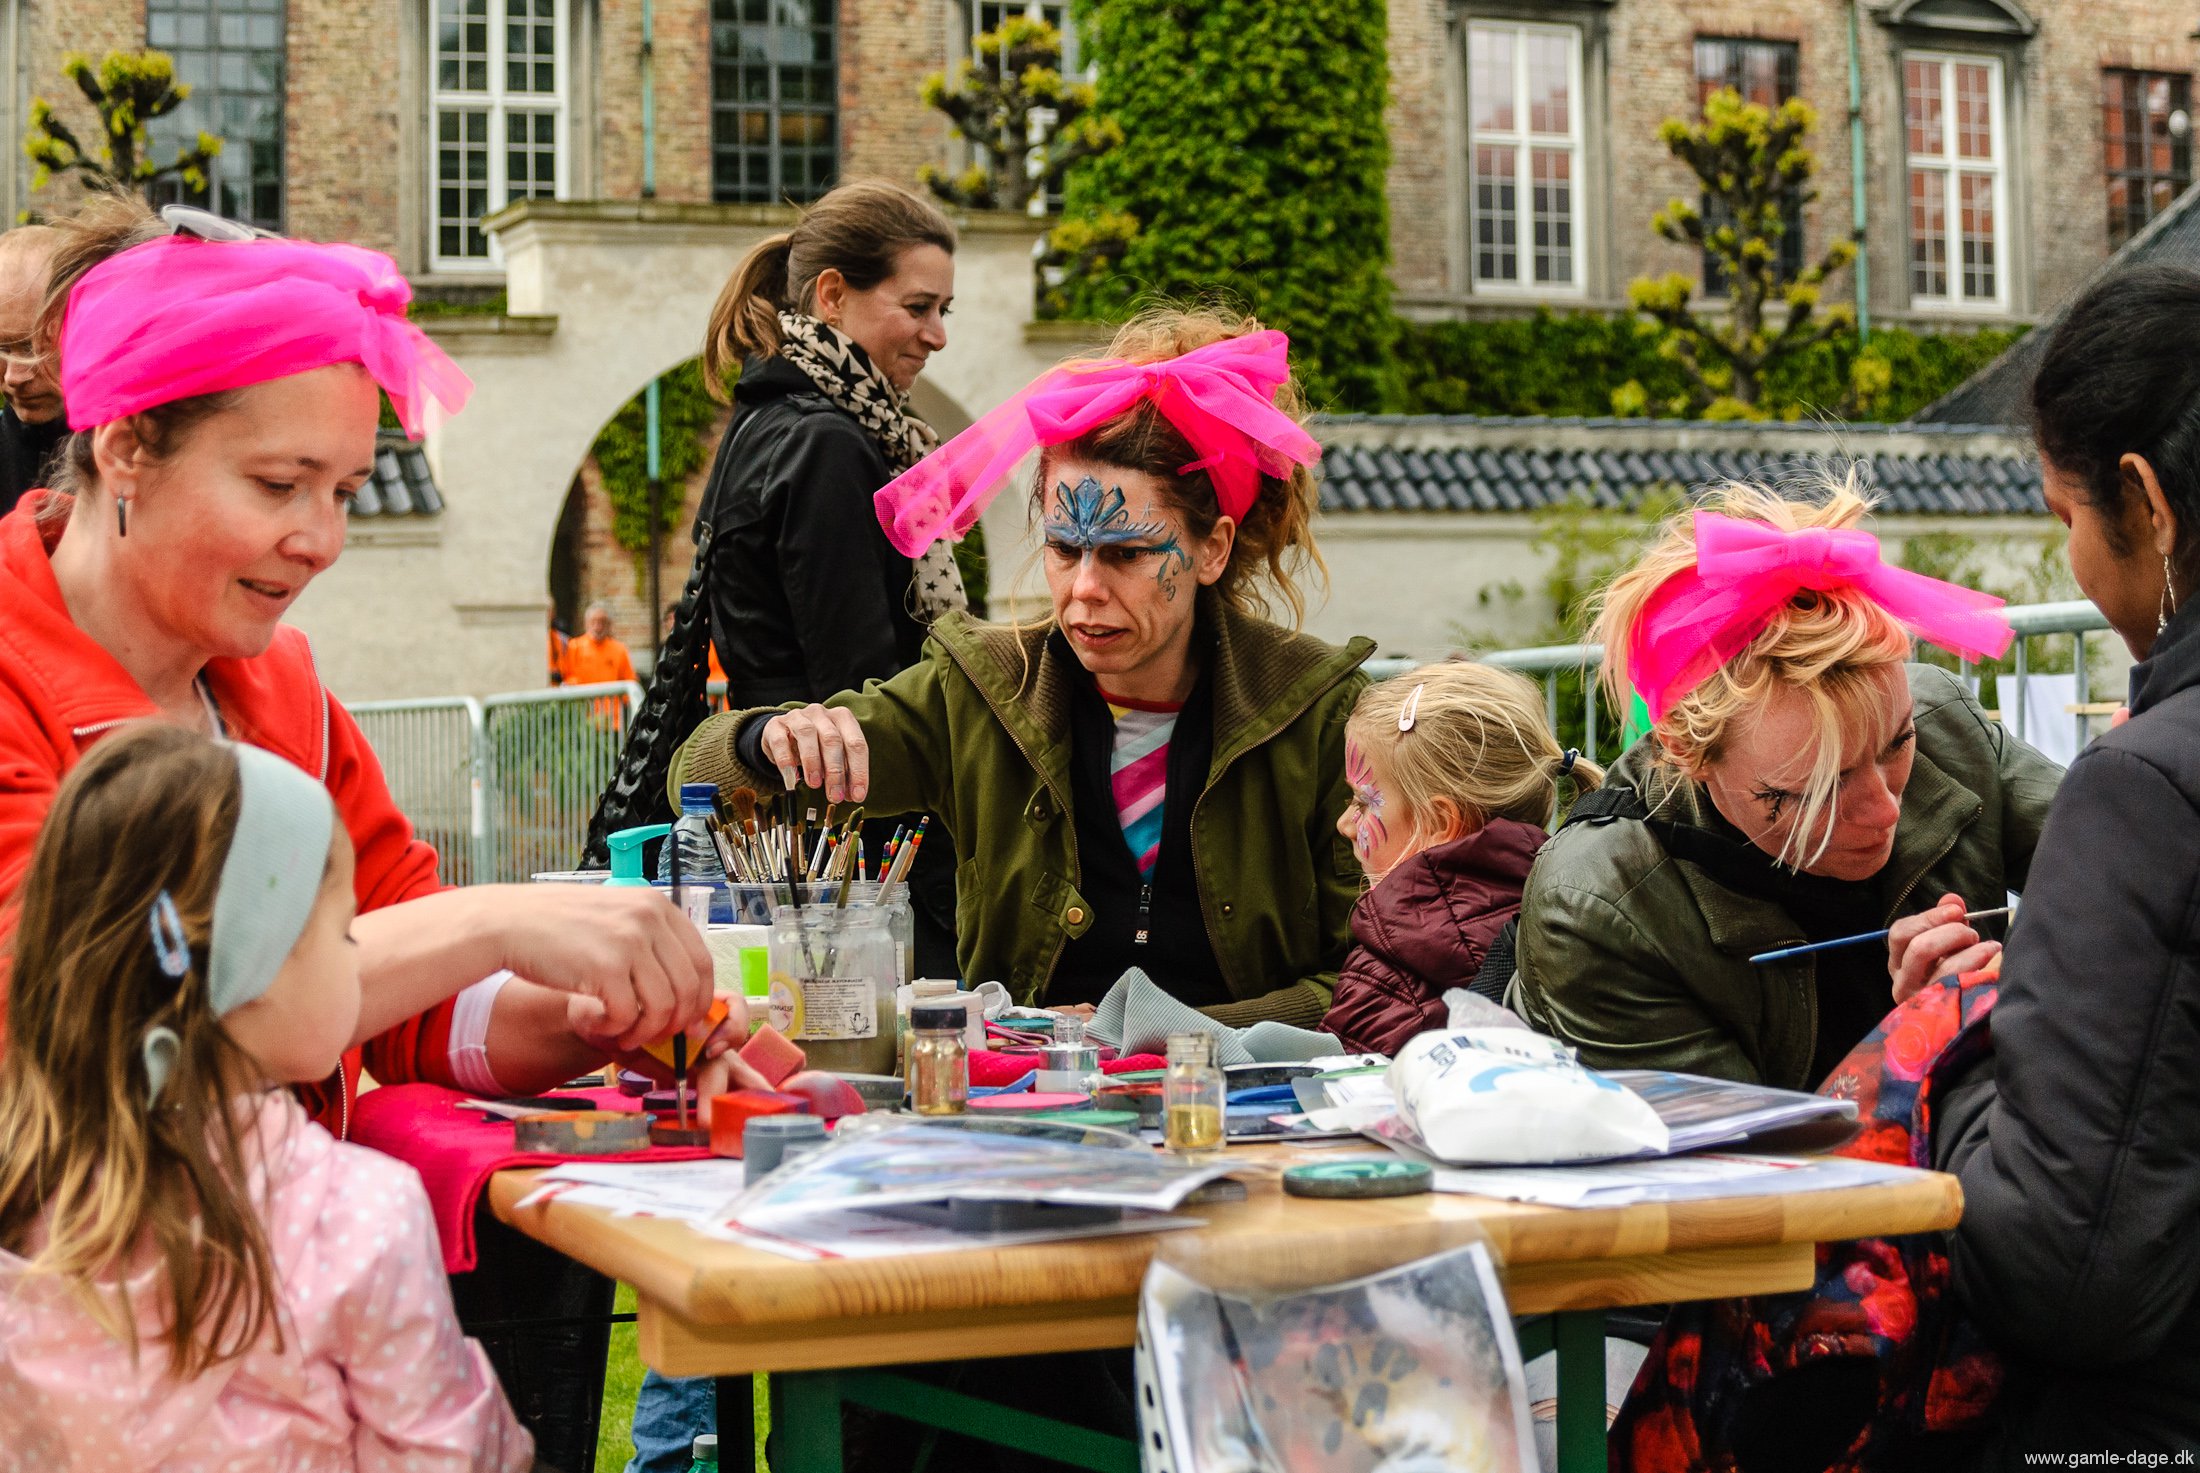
x: 1454, y: 771
x: 192, y: 1273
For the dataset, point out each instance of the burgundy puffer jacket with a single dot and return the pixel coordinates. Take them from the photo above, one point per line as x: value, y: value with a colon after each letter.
x: 1426, y: 928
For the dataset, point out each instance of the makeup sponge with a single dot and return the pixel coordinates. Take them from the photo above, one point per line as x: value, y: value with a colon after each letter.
x: 770, y: 1054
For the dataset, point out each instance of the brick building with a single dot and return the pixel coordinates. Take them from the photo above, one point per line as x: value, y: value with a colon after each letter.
x: 2007, y: 145
x: 400, y: 124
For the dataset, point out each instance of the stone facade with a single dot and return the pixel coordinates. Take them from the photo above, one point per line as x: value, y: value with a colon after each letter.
x: 1637, y: 61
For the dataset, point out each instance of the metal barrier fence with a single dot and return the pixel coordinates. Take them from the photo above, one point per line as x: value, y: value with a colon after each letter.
x: 2031, y: 621
x: 504, y: 786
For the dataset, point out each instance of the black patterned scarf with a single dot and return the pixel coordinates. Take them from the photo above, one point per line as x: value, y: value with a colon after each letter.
x: 845, y: 374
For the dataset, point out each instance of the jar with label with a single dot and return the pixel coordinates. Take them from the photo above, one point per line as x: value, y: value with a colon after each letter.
x: 832, y: 986
x: 1191, y: 1097
x: 939, y: 1060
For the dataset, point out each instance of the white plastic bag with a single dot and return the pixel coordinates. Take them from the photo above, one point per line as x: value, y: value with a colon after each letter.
x: 1503, y: 1096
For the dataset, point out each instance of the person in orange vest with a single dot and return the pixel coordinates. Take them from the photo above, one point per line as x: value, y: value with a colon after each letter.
x: 594, y: 657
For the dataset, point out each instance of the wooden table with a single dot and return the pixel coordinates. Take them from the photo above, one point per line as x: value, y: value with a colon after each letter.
x: 712, y: 1308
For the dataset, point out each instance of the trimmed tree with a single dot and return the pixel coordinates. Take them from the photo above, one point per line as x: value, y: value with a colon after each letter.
x: 128, y: 90
x: 1010, y: 100
x: 1754, y: 166
x: 1252, y: 169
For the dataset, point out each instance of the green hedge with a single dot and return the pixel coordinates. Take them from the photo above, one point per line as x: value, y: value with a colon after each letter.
x: 1571, y: 364
x: 1253, y: 160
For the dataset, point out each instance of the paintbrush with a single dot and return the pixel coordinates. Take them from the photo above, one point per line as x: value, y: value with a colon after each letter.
x: 1860, y: 940
x: 680, y: 1069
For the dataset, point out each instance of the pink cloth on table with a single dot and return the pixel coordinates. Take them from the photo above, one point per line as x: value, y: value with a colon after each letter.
x: 373, y: 1374
x: 457, y: 1151
x: 990, y: 1068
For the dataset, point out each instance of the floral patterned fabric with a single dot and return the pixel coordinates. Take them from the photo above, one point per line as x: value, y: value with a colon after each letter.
x: 1884, y: 1305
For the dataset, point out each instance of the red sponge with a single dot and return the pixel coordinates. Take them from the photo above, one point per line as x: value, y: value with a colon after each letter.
x: 829, y: 1095
x: 730, y: 1114
x: 770, y: 1054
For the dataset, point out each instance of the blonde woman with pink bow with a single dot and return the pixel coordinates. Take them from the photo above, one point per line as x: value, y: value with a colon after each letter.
x: 1150, y: 777
x: 1803, y: 780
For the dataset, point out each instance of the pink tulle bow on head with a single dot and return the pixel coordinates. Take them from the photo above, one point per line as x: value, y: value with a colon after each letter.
x: 1701, y: 619
x: 1221, y: 398
x: 180, y: 316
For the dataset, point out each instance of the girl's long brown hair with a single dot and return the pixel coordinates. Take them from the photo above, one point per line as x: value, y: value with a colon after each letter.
x: 91, y: 1178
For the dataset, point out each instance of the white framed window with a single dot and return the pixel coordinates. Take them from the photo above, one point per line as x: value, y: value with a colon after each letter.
x: 1524, y: 157
x: 1957, y: 181
x: 499, y: 118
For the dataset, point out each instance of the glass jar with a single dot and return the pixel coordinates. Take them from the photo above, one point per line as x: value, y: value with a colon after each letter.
x: 832, y: 986
x: 1069, y: 1065
x: 939, y: 1059
x: 1191, y: 1096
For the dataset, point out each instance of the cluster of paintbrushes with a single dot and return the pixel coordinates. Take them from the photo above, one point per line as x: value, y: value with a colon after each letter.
x: 756, y: 848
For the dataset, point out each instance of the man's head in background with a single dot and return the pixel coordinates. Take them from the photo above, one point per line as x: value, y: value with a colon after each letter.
x: 30, y: 383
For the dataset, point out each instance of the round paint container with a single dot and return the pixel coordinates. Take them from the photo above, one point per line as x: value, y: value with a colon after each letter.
x: 1031, y: 1102
x: 1362, y: 1176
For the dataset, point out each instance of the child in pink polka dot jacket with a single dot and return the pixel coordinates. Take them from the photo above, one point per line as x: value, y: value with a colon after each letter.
x: 193, y: 1275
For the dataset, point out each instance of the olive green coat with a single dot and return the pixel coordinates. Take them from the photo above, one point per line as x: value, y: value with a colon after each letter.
x: 1641, y: 960
x: 977, y: 733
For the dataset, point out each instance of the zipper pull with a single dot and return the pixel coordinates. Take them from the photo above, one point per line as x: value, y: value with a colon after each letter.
x: 1145, y: 915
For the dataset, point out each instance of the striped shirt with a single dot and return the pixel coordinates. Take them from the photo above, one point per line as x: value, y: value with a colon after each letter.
x: 1138, y: 770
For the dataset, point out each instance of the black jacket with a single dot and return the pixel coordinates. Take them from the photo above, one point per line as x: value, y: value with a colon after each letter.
x: 2079, y: 1250
x: 27, y: 455
x: 808, y: 598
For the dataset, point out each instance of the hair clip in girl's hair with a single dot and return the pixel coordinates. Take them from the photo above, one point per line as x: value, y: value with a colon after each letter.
x: 169, y: 942
x: 1411, y: 708
x: 160, y: 1048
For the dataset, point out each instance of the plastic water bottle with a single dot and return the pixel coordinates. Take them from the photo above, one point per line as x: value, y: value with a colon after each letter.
x: 699, y: 862
x: 706, y: 1446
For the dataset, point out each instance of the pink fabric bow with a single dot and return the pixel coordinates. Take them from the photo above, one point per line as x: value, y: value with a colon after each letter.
x: 1222, y: 398
x: 1699, y: 620
x: 179, y: 316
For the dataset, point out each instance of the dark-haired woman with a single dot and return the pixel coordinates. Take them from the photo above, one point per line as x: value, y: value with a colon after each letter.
x: 2079, y: 1145
x: 830, y: 324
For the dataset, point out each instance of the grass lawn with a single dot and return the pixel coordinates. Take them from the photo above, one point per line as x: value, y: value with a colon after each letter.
x: 622, y: 1378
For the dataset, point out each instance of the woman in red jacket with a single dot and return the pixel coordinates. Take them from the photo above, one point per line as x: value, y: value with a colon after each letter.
x: 224, y: 398
x: 1453, y: 773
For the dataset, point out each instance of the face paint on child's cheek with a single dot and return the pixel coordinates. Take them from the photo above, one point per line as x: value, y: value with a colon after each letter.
x: 1371, y: 834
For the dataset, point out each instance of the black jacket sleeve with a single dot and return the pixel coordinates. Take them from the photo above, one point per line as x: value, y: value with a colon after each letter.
x: 834, y: 560
x: 2080, y: 1240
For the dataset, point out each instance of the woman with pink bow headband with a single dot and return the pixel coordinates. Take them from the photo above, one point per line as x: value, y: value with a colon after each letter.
x: 1802, y: 781
x: 224, y: 392
x: 1149, y: 777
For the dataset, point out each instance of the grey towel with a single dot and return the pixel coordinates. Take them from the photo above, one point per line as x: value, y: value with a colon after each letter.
x: 1138, y: 1017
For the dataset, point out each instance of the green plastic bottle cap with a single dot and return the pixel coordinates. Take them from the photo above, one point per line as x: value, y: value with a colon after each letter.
x: 1362, y: 1176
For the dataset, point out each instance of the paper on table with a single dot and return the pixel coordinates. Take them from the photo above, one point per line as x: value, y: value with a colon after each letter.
x: 878, y: 1235
x: 919, y: 1164
x: 1672, y: 1179
x: 692, y: 1190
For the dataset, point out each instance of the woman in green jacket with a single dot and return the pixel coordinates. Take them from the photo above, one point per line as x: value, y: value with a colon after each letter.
x: 1151, y: 777
x: 1802, y: 781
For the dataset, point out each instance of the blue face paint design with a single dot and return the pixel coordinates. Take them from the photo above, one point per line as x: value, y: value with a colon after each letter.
x: 1087, y: 518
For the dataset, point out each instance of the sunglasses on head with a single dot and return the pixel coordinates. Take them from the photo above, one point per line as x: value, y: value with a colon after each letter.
x: 206, y: 225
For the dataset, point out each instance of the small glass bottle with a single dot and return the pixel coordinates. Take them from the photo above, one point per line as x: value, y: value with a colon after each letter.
x: 939, y: 1059
x: 1191, y: 1096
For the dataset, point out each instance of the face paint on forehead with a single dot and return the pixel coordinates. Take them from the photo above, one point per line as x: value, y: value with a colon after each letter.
x: 1089, y: 515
